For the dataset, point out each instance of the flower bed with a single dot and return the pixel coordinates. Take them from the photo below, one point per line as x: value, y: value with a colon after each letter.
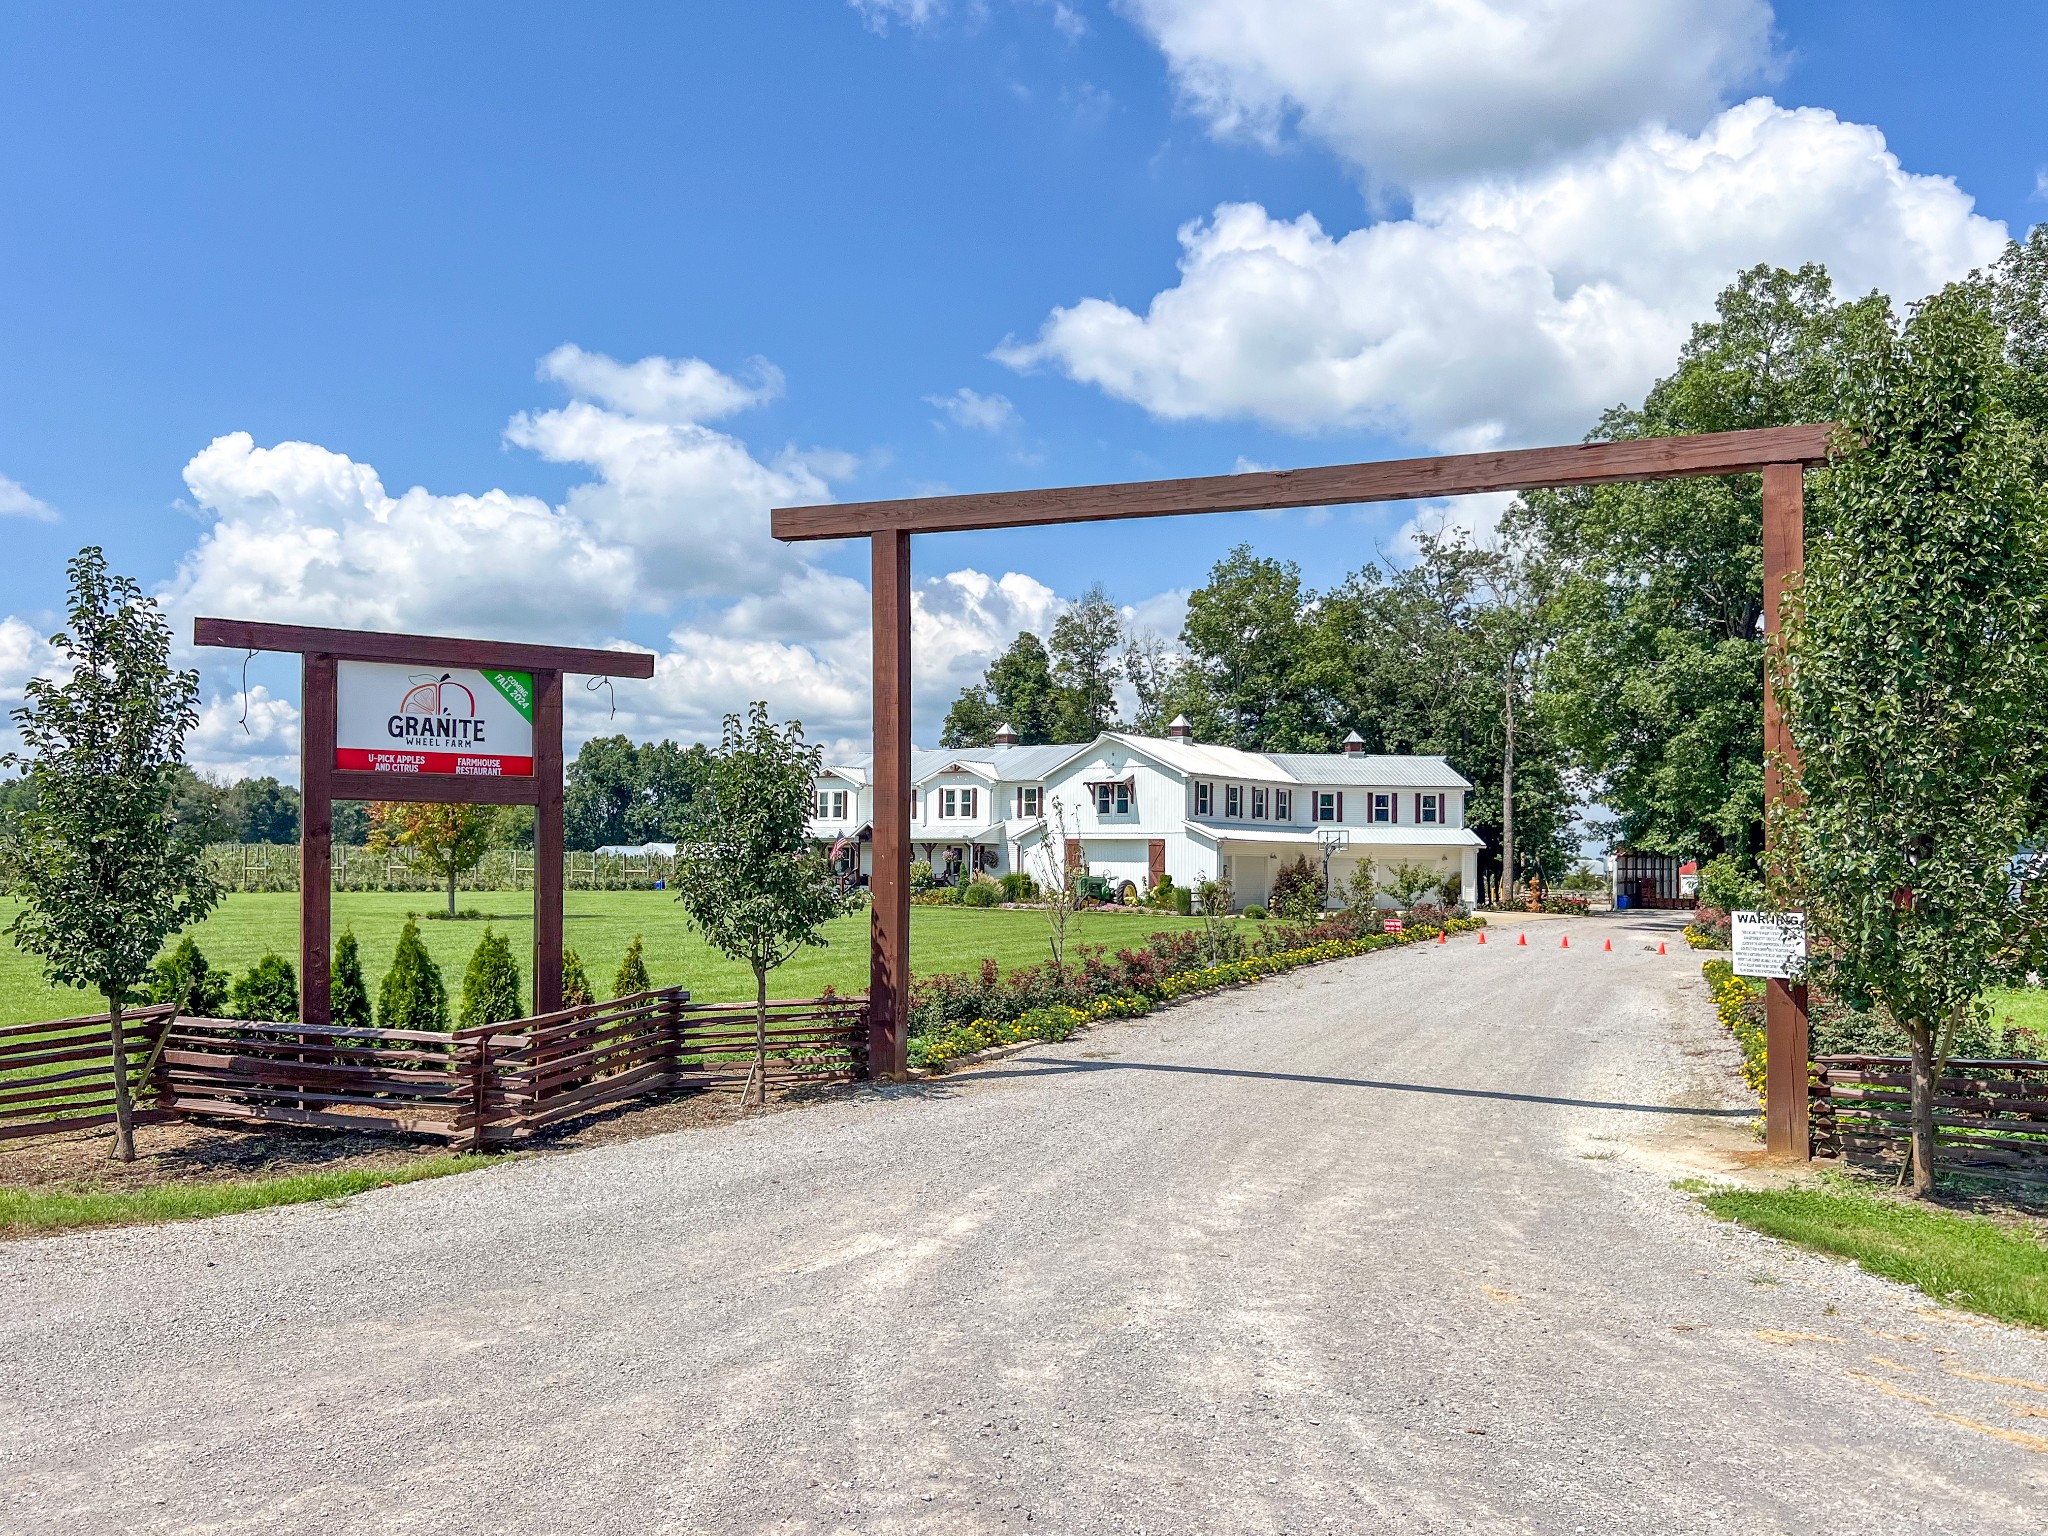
x: 1148, y: 977
x: 1740, y: 1003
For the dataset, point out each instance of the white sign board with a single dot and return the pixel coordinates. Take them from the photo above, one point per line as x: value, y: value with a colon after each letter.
x: 1770, y: 944
x: 408, y: 719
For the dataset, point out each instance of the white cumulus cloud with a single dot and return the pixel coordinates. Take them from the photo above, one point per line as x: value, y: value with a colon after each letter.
x: 978, y: 412
x: 15, y: 501
x: 1514, y: 308
x: 1412, y: 90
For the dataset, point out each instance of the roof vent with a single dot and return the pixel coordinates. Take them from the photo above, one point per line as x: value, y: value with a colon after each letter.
x: 1354, y: 745
x: 1180, y: 730
x: 1006, y: 735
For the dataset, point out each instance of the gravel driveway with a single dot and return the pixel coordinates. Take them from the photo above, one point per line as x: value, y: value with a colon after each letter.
x: 1385, y: 1245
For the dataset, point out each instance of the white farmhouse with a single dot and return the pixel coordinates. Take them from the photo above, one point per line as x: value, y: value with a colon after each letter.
x: 1133, y: 808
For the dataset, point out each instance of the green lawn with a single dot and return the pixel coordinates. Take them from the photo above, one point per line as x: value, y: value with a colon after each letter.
x: 600, y: 924
x: 1959, y: 1261
x: 25, y: 1212
x: 2025, y: 1006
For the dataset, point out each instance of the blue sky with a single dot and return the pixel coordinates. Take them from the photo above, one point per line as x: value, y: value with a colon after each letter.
x: 363, y: 236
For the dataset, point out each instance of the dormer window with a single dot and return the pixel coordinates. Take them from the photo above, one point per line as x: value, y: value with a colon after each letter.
x: 831, y: 805
x: 1113, y: 799
x: 958, y: 804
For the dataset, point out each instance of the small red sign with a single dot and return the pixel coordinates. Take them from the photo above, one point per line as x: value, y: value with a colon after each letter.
x: 372, y: 761
x: 1392, y: 925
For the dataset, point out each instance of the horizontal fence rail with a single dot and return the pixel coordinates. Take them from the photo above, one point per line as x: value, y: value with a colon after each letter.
x: 60, y: 1076
x: 1990, y: 1116
x: 487, y: 1085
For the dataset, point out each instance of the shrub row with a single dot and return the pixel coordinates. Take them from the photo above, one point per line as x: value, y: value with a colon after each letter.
x: 413, y: 994
x: 1143, y: 980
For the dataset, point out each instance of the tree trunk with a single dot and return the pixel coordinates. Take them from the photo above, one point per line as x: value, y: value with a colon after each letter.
x: 1507, y: 792
x: 124, y: 1114
x: 451, y: 888
x: 760, y: 1037
x: 1923, y: 1109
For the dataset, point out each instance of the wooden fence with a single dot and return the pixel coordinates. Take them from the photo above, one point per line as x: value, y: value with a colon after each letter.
x: 60, y: 1076
x: 1991, y: 1117
x: 490, y: 1085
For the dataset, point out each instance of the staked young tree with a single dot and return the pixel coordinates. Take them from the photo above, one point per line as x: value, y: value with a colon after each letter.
x: 750, y: 877
x: 103, y: 876
x: 1914, y: 669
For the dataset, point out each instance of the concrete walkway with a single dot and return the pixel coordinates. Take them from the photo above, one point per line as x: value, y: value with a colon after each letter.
x: 1385, y: 1245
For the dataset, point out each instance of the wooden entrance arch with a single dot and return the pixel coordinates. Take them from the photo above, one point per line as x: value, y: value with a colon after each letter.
x: 327, y: 775
x: 1779, y: 454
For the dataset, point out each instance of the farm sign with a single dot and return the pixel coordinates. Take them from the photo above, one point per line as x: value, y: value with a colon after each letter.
x: 1770, y: 945
x: 410, y: 719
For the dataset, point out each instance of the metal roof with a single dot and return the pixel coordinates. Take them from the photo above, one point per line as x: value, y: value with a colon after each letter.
x: 1371, y: 771
x: 1373, y: 837
x: 1029, y: 765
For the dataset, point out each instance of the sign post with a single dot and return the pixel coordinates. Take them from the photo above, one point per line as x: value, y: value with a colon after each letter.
x: 425, y: 718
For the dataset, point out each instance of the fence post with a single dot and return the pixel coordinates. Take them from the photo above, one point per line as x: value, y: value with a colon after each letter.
x: 479, y: 1090
x: 678, y: 1009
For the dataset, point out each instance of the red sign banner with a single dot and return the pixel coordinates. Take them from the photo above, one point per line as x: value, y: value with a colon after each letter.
x: 379, y: 761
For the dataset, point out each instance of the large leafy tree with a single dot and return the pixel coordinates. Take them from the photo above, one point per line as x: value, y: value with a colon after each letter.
x: 1086, y: 650
x: 751, y: 879
x: 1916, y: 668
x: 1246, y: 635
x: 103, y: 874
x: 1017, y: 690
x: 617, y: 792
x: 1656, y: 681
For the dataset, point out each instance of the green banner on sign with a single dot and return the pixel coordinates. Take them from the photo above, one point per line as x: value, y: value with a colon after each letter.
x: 517, y: 688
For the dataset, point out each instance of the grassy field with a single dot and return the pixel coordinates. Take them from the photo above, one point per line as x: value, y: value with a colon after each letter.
x: 599, y: 926
x: 2027, y: 1007
x: 1959, y: 1261
x: 25, y: 1212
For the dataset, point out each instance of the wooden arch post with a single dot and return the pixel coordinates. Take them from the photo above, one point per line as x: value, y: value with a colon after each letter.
x: 1780, y: 454
x: 454, y: 757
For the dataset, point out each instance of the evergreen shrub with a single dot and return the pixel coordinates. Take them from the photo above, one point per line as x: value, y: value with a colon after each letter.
x: 490, y: 987
x: 413, y: 995
x: 184, y: 977
x: 348, y: 995
x: 632, y: 976
x: 268, y: 992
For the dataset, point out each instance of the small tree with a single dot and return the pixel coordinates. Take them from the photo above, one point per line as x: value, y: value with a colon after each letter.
x: 348, y: 998
x: 450, y: 840
x: 1362, y: 891
x: 631, y: 978
x: 1061, y: 884
x: 413, y: 995
x: 490, y: 987
x: 1297, y: 891
x: 1914, y: 670
x: 1219, y: 939
x: 184, y: 977
x: 751, y: 878
x: 103, y: 877
x: 575, y: 981
x: 1410, y: 882
x: 267, y: 992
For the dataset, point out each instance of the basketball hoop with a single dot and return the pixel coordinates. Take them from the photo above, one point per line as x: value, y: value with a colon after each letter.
x: 1332, y: 838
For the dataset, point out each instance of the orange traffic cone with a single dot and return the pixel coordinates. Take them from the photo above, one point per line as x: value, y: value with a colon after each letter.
x: 1523, y: 941
x: 1482, y: 935
x: 1660, y: 946
x: 1442, y: 937
x: 1565, y: 942
x: 1609, y: 946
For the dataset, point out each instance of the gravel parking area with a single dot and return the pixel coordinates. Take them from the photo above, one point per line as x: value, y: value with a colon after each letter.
x: 1383, y: 1245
